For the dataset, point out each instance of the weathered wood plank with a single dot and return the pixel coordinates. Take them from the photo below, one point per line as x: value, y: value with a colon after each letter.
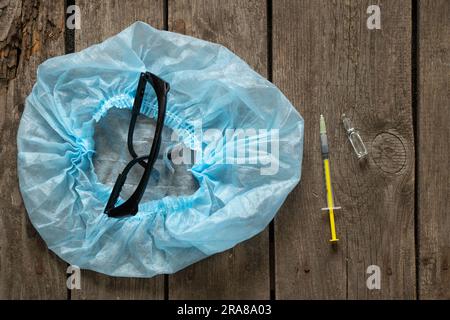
x: 327, y: 61
x: 100, y: 20
x: 241, y: 272
x: 433, y: 145
x: 30, y: 32
x: 10, y: 42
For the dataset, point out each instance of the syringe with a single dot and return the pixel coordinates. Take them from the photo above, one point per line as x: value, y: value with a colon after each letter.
x: 326, y: 166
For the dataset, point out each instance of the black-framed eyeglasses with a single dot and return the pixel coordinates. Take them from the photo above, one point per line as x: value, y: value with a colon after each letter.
x: 130, y: 206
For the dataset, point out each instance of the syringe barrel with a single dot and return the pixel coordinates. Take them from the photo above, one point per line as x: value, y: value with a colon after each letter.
x: 324, y: 145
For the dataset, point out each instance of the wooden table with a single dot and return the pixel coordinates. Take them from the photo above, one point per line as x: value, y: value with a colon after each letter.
x: 393, y: 82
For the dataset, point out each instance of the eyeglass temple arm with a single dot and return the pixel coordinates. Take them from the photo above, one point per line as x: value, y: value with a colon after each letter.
x: 143, y: 79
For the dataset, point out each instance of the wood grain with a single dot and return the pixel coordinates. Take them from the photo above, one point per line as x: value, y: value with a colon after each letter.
x: 327, y: 61
x: 241, y: 272
x: 100, y: 20
x: 30, y: 32
x: 433, y: 117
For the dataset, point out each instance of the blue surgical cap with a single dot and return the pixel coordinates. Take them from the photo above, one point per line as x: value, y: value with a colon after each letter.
x: 72, y: 145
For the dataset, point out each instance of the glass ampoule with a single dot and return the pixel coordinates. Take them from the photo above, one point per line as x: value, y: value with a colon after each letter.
x: 354, y: 137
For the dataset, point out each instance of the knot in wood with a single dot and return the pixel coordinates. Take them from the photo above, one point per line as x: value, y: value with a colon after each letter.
x: 388, y: 152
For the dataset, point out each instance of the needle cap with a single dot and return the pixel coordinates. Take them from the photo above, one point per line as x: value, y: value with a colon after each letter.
x: 323, y: 129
